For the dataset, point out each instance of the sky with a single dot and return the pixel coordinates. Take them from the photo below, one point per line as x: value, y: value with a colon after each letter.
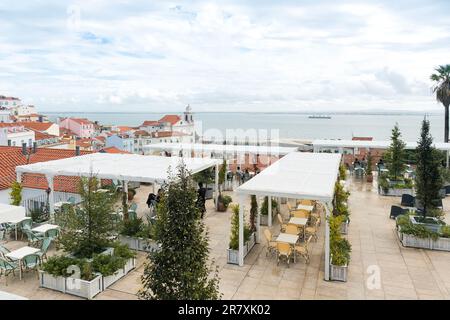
x: 258, y: 55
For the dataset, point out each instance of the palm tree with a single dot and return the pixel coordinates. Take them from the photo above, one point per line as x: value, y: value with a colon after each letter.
x: 442, y: 91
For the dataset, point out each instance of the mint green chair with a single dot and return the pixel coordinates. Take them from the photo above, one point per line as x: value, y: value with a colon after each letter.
x: 31, y: 262
x: 132, y: 207
x: 33, y: 239
x: 7, y: 267
x: 52, y: 233
x: 44, y: 248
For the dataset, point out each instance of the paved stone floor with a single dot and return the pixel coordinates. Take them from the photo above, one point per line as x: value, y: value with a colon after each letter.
x: 380, y: 267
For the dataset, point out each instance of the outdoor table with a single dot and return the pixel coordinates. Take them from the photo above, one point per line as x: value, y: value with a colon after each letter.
x: 299, y: 222
x: 58, y: 205
x: 15, y: 222
x: 19, y: 254
x: 44, y: 228
x: 288, y: 238
x: 305, y: 207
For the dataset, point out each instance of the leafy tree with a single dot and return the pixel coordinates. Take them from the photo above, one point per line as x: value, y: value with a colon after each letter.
x: 369, y: 163
x: 222, y: 173
x: 179, y: 270
x: 442, y: 91
x: 234, y: 236
x: 87, y: 229
x: 206, y: 177
x: 395, y: 155
x: 340, y: 247
x: 428, y: 172
x: 16, y: 193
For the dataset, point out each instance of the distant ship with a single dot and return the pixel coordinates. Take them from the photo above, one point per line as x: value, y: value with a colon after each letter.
x: 315, y: 116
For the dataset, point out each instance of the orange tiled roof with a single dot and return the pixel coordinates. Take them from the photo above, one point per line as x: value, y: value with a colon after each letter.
x: 113, y: 150
x: 165, y: 134
x: 38, y: 135
x: 171, y: 118
x: 10, y: 157
x: 150, y: 123
x: 40, y: 126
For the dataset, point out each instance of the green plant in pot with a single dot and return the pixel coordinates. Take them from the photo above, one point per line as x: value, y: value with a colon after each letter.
x: 223, y: 201
x: 340, y: 248
x: 234, y: 236
x: 16, y: 193
x: 265, y: 207
x: 369, y: 176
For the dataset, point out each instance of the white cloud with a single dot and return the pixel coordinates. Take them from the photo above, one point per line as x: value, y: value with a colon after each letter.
x: 236, y: 55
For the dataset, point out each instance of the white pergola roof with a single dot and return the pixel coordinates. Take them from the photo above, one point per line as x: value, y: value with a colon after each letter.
x: 297, y: 175
x: 127, y: 167
x: 221, y: 148
x: 10, y: 213
x: 380, y: 144
x: 9, y: 296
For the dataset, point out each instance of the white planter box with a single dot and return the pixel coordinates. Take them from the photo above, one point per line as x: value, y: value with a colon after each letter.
x: 76, y: 287
x: 233, y: 255
x: 139, y: 244
x: 442, y: 244
x: 395, y: 192
x: 130, y: 265
x: 344, y: 227
x: 416, y: 242
x: 109, y: 280
x: 338, y: 273
x: 264, y: 219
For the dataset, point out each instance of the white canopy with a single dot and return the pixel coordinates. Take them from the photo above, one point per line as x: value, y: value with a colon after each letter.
x: 298, y: 175
x: 126, y: 167
x: 10, y: 213
x: 380, y: 144
x: 221, y: 148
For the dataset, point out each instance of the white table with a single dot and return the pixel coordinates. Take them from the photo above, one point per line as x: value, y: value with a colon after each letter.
x: 287, y: 238
x: 45, y: 227
x: 299, y: 222
x: 15, y: 222
x: 305, y: 207
x: 19, y: 254
x: 59, y: 204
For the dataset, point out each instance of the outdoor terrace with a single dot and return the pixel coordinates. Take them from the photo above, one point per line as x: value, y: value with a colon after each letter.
x: 405, y: 273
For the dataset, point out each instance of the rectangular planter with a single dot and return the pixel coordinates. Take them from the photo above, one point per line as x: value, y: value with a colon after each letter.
x: 338, y: 273
x: 77, y: 287
x: 139, y: 244
x: 435, y: 227
x: 395, y: 192
x: 264, y: 219
x: 233, y: 255
x: 344, y: 227
x: 441, y: 244
x: 109, y: 280
x: 415, y: 242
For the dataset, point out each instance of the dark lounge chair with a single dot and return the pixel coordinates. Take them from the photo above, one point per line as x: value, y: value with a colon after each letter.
x: 397, y: 211
x: 408, y: 200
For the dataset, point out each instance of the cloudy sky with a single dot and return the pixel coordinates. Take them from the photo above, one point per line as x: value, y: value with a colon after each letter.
x: 118, y: 55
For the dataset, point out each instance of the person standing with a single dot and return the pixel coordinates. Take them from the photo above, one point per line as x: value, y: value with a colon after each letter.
x: 201, y: 199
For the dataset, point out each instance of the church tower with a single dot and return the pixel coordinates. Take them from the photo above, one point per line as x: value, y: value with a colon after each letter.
x: 188, y: 116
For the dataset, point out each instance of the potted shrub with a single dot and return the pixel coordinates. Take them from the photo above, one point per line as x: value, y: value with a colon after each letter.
x: 16, y: 193
x: 137, y: 235
x: 340, y: 206
x: 249, y: 238
x: 265, y: 211
x: 369, y: 176
x: 340, y: 250
x: 223, y: 202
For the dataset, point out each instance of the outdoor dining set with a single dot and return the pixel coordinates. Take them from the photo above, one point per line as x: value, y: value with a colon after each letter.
x: 27, y: 258
x: 295, y: 233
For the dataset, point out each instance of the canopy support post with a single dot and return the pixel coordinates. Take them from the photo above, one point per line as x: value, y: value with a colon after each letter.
x: 258, y: 221
x: 241, y: 230
x: 51, y: 194
x: 269, y: 211
x: 327, y: 243
x: 216, y: 185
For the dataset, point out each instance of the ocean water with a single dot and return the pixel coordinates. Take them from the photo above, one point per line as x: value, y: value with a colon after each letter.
x: 288, y: 125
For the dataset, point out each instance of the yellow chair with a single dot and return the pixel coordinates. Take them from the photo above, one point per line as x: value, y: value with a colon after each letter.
x: 284, y: 250
x: 315, y: 216
x: 292, y: 229
x: 300, y: 214
x: 307, y: 202
x: 290, y: 208
x: 302, y: 249
x: 312, y: 230
x: 282, y: 224
x: 271, y: 245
